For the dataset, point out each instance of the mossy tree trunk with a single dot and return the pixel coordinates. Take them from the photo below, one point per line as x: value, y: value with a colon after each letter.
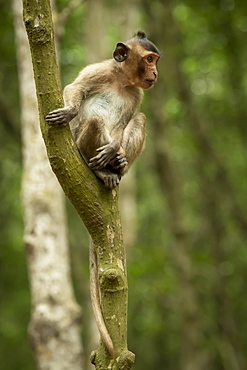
x: 96, y: 205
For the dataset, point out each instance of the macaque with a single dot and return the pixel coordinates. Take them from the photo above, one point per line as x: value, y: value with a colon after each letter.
x: 101, y: 105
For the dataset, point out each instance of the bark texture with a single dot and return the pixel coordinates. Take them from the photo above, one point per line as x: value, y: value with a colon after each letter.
x: 96, y: 205
x: 55, y: 318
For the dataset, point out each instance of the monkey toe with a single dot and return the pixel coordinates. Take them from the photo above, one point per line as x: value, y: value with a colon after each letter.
x: 111, y: 181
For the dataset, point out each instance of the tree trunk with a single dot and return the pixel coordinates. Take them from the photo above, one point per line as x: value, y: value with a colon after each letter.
x: 55, y: 323
x: 96, y: 205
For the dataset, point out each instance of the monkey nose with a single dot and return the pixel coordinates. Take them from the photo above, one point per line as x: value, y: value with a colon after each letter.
x: 155, y: 74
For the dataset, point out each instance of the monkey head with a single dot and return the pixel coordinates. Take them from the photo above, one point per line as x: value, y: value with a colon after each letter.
x: 138, y: 58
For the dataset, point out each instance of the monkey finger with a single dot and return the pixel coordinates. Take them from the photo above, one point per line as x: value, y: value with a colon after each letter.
x: 121, y: 158
x: 119, y: 161
x: 55, y: 121
x: 95, y: 164
x: 95, y: 159
x: 102, y: 154
x: 100, y: 160
x: 119, y: 164
x: 103, y: 148
x: 54, y: 117
x: 62, y: 115
x: 56, y: 113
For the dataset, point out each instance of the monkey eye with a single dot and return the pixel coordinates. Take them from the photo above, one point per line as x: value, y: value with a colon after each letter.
x: 150, y: 59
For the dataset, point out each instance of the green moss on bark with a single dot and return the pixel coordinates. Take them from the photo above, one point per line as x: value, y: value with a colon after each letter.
x: 96, y: 205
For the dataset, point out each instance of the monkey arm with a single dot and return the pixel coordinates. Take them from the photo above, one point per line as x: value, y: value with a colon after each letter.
x: 108, y: 152
x: 89, y: 81
x: 73, y: 95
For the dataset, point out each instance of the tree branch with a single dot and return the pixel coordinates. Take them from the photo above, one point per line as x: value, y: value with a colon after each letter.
x: 96, y: 205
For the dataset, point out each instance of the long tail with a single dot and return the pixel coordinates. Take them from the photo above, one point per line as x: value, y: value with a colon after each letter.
x: 95, y: 298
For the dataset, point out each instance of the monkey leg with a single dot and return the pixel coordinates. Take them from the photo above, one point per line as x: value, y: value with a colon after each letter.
x: 132, y: 144
x: 92, y: 135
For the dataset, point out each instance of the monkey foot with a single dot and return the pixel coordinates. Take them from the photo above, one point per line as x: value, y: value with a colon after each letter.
x: 111, y: 180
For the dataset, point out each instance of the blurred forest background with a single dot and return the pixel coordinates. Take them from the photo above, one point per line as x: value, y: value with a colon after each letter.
x: 184, y: 205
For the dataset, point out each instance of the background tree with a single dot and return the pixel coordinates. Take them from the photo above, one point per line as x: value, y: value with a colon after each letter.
x: 54, y: 328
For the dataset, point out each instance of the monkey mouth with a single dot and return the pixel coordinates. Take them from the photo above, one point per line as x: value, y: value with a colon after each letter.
x: 150, y: 81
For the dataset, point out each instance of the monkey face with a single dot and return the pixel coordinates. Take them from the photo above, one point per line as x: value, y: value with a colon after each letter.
x: 147, y: 70
x: 138, y: 64
x: 141, y: 68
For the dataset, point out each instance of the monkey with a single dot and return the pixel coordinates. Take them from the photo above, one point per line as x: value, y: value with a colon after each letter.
x: 101, y: 105
x: 101, y: 108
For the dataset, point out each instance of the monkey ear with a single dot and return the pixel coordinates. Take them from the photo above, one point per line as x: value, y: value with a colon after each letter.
x: 121, y: 52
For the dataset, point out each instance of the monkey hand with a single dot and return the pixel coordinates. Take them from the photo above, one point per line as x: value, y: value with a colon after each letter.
x: 61, y: 116
x: 119, y: 161
x: 106, y: 154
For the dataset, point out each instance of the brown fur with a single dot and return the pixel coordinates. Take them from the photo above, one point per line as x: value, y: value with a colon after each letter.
x: 101, y: 106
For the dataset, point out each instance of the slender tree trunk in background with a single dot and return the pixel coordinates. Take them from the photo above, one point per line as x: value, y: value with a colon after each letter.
x: 96, y: 205
x: 227, y: 340
x: 55, y: 323
x: 95, y: 32
x: 194, y: 355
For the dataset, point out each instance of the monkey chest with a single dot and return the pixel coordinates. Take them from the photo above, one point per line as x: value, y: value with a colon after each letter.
x: 111, y: 107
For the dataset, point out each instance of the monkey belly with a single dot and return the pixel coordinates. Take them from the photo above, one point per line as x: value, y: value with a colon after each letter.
x: 109, y: 106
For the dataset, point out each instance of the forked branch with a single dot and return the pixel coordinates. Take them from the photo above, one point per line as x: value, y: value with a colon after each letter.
x: 96, y: 205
